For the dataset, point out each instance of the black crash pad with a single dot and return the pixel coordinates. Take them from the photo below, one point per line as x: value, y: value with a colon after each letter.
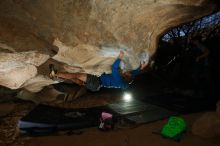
x: 131, y: 107
x: 152, y: 113
x: 44, y: 117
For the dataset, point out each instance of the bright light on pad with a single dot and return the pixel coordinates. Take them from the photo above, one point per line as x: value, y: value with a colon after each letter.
x: 127, y: 97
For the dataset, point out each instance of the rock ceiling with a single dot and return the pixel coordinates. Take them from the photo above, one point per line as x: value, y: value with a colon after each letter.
x: 83, y: 35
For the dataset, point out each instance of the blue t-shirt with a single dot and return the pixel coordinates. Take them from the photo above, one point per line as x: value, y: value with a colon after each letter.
x: 115, y: 80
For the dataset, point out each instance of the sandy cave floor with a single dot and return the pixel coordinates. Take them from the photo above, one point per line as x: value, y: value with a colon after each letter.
x: 11, y: 112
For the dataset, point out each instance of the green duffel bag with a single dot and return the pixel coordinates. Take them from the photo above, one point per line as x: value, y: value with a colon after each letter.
x: 174, y: 128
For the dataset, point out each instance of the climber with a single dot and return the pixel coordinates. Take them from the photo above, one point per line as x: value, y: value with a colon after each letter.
x: 117, y: 79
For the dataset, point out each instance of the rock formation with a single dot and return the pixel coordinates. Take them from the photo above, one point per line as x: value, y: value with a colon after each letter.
x: 207, y: 126
x: 84, y: 35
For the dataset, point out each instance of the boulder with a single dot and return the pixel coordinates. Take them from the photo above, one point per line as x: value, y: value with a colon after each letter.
x: 207, y: 126
x: 18, y: 67
x: 86, y: 35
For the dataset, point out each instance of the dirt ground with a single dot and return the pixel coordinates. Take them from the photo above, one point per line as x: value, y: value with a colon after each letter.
x: 139, y: 136
x: 142, y: 135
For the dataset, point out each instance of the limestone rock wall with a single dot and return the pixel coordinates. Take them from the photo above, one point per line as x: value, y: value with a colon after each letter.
x: 86, y: 35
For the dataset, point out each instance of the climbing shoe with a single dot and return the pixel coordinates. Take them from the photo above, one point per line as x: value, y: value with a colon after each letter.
x: 53, y: 71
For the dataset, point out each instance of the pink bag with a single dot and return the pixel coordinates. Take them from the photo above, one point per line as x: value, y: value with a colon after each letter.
x: 106, y: 121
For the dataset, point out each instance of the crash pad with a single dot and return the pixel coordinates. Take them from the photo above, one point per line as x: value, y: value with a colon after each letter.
x: 151, y: 114
x: 131, y: 107
x: 45, y: 118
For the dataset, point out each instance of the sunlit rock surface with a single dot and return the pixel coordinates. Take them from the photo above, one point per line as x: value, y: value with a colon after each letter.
x: 37, y: 83
x: 86, y: 35
x: 17, y: 68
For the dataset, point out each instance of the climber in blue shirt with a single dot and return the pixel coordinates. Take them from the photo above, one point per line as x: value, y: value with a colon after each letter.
x: 117, y: 79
